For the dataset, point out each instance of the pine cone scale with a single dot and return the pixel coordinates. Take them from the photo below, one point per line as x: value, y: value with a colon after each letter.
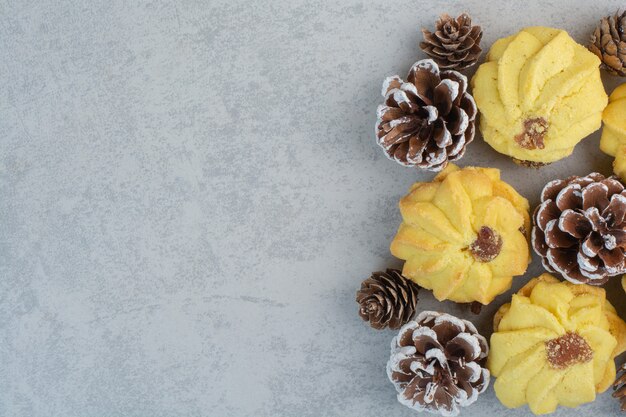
x: 442, y: 136
x: 432, y: 39
x: 417, y: 146
x: 595, y: 195
x: 413, y: 391
x: 462, y: 348
x: 613, y: 26
x: 573, y: 223
x: 457, y: 58
x: 616, y: 210
x: 459, y: 121
x: 613, y: 260
x: 390, y: 114
x: 547, y: 211
x: 592, y: 245
x: 448, y: 49
x: 424, y: 341
x: 597, y: 222
x: 620, y: 238
x: 556, y: 238
x: 570, y: 196
x: 610, y: 47
x: 444, y: 95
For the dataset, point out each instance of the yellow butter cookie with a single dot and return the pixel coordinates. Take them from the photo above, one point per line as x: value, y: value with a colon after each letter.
x: 539, y: 93
x: 554, y: 344
x: 463, y: 235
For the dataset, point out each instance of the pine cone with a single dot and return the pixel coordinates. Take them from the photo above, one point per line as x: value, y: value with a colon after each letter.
x: 428, y: 120
x: 619, y: 387
x: 437, y: 363
x: 455, y: 43
x: 608, y: 42
x: 580, y: 228
x: 387, y: 299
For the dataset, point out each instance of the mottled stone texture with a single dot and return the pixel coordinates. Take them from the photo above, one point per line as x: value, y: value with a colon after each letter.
x: 191, y: 193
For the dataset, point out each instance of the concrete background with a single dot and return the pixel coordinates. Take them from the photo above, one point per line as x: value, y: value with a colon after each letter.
x: 190, y: 195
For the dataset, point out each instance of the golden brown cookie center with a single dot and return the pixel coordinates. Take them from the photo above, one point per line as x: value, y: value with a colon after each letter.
x: 534, y: 132
x: 568, y: 350
x: 487, y: 245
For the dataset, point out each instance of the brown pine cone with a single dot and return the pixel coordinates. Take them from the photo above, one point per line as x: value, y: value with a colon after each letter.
x: 387, y: 299
x: 428, y: 120
x: 608, y: 42
x: 580, y: 228
x: 455, y: 44
x: 437, y: 363
x: 619, y: 387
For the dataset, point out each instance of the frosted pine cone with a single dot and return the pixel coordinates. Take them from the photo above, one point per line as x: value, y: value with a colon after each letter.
x: 580, y: 228
x: 437, y: 363
x: 455, y: 44
x: 428, y: 120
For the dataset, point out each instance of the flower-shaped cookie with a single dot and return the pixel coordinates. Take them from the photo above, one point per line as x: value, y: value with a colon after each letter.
x: 539, y: 94
x: 554, y: 344
x: 463, y: 235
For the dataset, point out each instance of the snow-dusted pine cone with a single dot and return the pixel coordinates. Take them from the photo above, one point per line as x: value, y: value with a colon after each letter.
x: 427, y: 120
x: 437, y: 363
x: 387, y: 299
x: 455, y: 43
x: 580, y: 228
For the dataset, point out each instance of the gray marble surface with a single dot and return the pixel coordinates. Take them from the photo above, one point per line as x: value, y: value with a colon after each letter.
x: 190, y: 195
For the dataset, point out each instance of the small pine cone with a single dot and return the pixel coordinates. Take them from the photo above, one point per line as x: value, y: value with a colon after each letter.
x: 455, y: 44
x: 387, y: 299
x: 428, y: 120
x: 608, y: 42
x: 619, y: 387
x: 580, y: 228
x: 437, y: 363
